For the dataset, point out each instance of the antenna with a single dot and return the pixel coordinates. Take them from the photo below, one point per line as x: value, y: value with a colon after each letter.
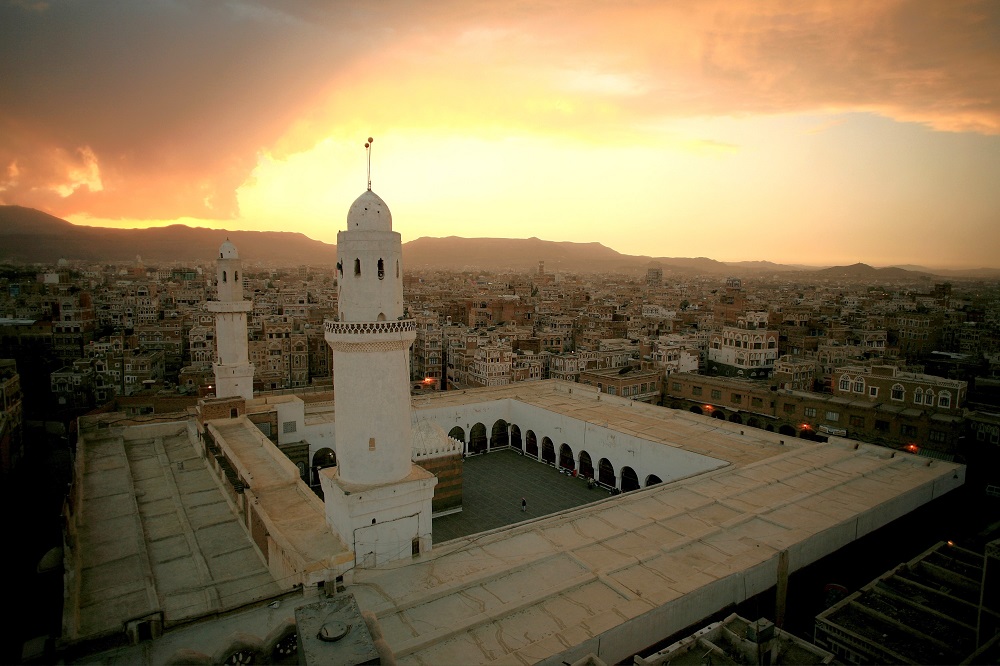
x: 368, y: 149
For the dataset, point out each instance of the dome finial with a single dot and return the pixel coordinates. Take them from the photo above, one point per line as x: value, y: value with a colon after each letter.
x: 368, y: 149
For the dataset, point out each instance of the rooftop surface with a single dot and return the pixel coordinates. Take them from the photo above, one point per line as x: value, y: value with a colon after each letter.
x: 154, y: 532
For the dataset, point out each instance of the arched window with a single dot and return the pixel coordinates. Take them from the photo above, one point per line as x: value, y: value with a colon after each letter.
x: 397, y: 268
x: 357, y: 267
x: 236, y: 276
x: 340, y: 267
x: 859, y: 385
x: 929, y: 397
x: 381, y: 269
x: 845, y: 383
x: 944, y: 399
x: 918, y: 396
x: 223, y: 276
x: 898, y: 393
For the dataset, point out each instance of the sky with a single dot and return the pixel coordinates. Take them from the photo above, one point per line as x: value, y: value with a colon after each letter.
x: 822, y: 133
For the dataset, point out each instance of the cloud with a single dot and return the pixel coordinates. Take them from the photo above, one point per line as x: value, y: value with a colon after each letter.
x: 161, y: 109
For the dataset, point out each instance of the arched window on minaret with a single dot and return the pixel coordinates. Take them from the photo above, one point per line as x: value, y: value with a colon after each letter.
x: 236, y: 276
x: 381, y: 269
x: 223, y: 276
x: 397, y: 268
x: 357, y: 267
x: 340, y: 269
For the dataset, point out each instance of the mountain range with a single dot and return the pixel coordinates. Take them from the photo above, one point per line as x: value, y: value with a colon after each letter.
x: 28, y: 235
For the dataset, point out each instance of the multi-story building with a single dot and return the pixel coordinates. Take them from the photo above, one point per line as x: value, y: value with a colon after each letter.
x: 748, y: 349
x: 491, y: 365
x: 11, y: 417
x: 641, y: 385
x: 887, y: 384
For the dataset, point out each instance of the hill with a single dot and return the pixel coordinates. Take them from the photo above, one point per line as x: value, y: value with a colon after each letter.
x: 31, y: 236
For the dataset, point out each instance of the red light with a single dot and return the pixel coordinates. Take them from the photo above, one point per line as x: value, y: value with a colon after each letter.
x: 806, y: 426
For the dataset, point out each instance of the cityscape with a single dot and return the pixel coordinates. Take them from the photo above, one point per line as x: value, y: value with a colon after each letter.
x: 476, y: 333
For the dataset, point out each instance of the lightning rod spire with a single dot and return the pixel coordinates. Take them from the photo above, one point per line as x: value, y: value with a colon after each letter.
x: 368, y: 149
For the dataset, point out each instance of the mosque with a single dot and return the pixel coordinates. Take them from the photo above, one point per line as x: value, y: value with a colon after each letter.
x: 194, y: 538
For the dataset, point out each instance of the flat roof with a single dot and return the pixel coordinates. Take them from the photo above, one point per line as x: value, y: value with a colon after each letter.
x: 154, y: 532
x: 604, y: 577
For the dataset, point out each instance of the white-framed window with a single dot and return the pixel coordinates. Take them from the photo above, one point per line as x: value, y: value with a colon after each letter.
x: 288, y: 426
x: 944, y: 399
x: 845, y: 383
x: 873, y: 391
x: 833, y: 416
x: 898, y: 392
x: 859, y: 385
x: 918, y: 396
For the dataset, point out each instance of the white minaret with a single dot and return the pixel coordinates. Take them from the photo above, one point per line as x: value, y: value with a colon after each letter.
x: 376, y: 498
x: 233, y: 371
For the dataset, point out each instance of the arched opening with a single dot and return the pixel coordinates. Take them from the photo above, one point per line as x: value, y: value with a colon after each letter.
x: 381, y: 269
x: 606, y: 473
x: 499, y: 436
x: 357, y: 267
x: 457, y: 433
x: 531, y: 444
x: 566, y: 457
x: 630, y: 480
x: 786, y: 430
x: 380, y: 317
x: 322, y: 459
x: 223, y: 276
x: 769, y: 428
x: 515, y: 437
x: 236, y: 276
x: 753, y: 422
x: 652, y: 480
x: 696, y: 409
x: 548, y: 451
x: 736, y: 418
x: 586, y: 466
x: 676, y: 405
x: 477, y: 439
x: 719, y: 414
x: 397, y: 268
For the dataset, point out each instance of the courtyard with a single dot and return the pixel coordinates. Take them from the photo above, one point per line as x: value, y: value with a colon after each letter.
x: 493, y: 485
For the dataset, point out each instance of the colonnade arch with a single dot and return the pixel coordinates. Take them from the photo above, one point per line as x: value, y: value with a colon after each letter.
x: 548, y: 451
x: 630, y: 480
x: 566, y: 457
x: 652, y: 480
x: 457, y: 433
x: 477, y: 439
x: 515, y: 437
x: 606, y: 472
x: 500, y: 436
x: 586, y: 465
x: 531, y: 444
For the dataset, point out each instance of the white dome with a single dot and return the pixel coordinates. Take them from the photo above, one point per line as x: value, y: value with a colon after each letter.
x: 369, y: 213
x: 228, y: 251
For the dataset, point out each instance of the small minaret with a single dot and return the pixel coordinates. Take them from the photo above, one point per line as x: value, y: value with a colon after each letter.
x: 233, y: 371
x: 376, y: 498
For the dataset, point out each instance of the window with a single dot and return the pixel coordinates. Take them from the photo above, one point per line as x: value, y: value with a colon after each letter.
x: 944, y: 400
x: 789, y: 408
x: 695, y: 390
x: 612, y: 390
x: 371, y: 447
x: 859, y: 385
x: 873, y: 391
x: 881, y: 426
x: 938, y: 436
x: 357, y: 267
x: 223, y: 276
x: 918, y: 396
x: 288, y: 426
x: 810, y: 411
x: 845, y: 383
x: 756, y: 402
x: 908, y: 430
x: 736, y: 398
x: 857, y: 421
x: 716, y: 394
x: 381, y: 270
x: 897, y: 392
x: 833, y: 416
x: 676, y: 386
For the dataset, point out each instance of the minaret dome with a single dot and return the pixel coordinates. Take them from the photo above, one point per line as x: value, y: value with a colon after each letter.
x: 369, y: 213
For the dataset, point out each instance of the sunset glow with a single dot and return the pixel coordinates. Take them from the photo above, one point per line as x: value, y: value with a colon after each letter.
x: 797, y: 133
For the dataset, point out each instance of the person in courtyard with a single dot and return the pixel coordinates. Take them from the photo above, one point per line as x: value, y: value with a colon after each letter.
x: 524, y: 504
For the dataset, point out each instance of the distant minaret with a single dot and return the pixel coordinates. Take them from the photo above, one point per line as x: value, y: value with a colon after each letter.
x: 233, y: 371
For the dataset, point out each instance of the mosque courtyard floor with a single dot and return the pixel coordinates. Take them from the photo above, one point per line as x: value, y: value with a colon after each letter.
x: 493, y: 485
